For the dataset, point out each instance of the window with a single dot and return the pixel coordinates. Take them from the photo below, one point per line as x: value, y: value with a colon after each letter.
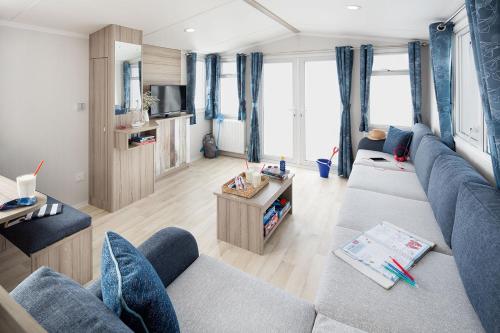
x: 199, y: 95
x: 390, y: 92
x: 278, y: 109
x: 322, y: 108
x: 229, y: 102
x: 469, y: 121
x: 135, y: 87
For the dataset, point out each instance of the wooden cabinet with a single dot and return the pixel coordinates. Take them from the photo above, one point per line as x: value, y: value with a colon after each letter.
x: 117, y: 176
x: 171, y: 145
x: 161, y: 65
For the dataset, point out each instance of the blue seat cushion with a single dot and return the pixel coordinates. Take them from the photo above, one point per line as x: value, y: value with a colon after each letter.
x: 59, y: 304
x: 34, y: 235
x: 448, y: 174
x: 132, y: 289
x: 476, y: 248
x: 429, y: 149
x: 419, y: 131
x: 397, y: 142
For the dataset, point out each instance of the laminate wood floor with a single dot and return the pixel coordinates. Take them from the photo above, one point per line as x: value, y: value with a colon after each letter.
x: 293, y: 258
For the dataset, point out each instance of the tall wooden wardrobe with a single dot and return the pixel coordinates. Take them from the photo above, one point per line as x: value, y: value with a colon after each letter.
x: 118, y: 174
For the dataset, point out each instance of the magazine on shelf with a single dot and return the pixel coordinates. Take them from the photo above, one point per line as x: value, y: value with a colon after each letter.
x: 369, y: 252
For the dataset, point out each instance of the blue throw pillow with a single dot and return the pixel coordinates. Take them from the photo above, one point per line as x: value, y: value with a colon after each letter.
x: 397, y: 142
x: 133, y: 290
x: 476, y: 250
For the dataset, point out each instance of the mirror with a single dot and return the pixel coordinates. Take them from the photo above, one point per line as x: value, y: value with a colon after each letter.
x: 128, y: 78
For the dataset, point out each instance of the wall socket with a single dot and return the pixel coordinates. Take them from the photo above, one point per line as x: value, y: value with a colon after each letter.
x: 80, y: 177
x: 80, y: 107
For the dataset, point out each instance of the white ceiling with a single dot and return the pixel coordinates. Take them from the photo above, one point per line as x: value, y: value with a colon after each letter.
x: 223, y: 25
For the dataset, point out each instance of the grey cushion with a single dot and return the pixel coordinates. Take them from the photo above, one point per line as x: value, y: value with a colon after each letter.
x: 37, y: 234
x: 213, y: 297
x: 367, y: 144
x: 323, y: 324
x: 429, y: 149
x: 59, y: 304
x: 170, y: 251
x: 440, y: 304
x: 448, y: 173
x: 419, y: 131
x: 476, y: 245
x: 395, y: 182
x: 363, y: 210
x: 363, y: 157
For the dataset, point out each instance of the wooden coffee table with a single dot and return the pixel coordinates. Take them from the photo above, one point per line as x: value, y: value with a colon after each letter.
x: 240, y: 221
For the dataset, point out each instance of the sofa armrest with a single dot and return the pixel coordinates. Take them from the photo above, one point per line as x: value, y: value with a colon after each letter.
x: 375, y: 145
x: 170, y: 251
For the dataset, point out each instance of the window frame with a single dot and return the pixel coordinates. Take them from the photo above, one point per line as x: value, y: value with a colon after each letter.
x: 388, y: 73
x: 462, y: 29
x: 226, y: 76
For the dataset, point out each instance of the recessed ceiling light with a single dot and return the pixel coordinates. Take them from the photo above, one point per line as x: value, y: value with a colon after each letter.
x: 189, y: 30
x: 353, y: 7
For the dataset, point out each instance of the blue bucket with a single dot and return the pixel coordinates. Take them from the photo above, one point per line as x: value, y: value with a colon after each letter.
x: 324, y: 167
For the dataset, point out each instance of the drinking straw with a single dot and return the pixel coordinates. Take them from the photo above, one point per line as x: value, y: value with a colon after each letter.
x: 38, y: 167
x: 246, y: 162
x: 262, y: 167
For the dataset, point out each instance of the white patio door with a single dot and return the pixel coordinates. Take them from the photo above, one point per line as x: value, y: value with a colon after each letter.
x: 300, y: 109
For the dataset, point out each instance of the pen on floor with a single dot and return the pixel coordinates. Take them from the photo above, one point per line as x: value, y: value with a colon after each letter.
x: 401, y: 276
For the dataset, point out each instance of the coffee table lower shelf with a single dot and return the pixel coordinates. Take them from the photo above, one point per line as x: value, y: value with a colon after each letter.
x: 240, y: 221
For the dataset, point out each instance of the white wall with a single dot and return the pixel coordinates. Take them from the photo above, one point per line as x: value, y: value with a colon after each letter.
x: 304, y: 44
x: 42, y: 78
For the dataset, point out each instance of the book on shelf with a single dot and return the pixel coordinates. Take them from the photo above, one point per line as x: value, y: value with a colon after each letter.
x: 134, y: 143
x: 370, y: 252
x: 275, y: 172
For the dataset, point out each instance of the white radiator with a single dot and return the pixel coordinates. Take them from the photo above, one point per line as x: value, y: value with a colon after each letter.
x: 232, y: 135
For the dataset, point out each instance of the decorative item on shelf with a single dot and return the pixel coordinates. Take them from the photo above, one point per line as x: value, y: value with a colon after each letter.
x: 248, y: 190
x: 147, y: 101
x: 137, y: 120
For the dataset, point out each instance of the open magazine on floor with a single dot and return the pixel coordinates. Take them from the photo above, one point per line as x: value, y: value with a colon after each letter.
x: 369, y: 252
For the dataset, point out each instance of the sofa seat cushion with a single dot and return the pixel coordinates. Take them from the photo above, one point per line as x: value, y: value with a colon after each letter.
x: 429, y: 149
x: 211, y: 296
x: 363, y: 157
x: 475, y: 241
x: 448, y: 173
x: 34, y: 235
x: 362, y: 210
x: 59, y: 304
x: 419, y: 131
x: 323, y: 324
x: 440, y: 304
x: 399, y: 183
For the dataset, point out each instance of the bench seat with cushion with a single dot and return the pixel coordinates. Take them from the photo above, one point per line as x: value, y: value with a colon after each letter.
x: 35, y: 235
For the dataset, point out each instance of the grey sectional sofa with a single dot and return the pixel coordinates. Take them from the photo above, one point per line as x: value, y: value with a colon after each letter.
x: 210, y: 296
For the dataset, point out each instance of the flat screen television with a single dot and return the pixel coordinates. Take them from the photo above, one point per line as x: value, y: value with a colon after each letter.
x: 172, y: 99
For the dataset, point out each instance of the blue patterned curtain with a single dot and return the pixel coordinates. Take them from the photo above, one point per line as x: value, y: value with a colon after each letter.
x: 365, y: 73
x: 484, y: 25
x: 440, y: 44
x: 241, y: 67
x: 191, y: 86
x: 127, y: 72
x: 414, y: 50
x: 254, y: 144
x: 212, y: 83
x: 344, y: 70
